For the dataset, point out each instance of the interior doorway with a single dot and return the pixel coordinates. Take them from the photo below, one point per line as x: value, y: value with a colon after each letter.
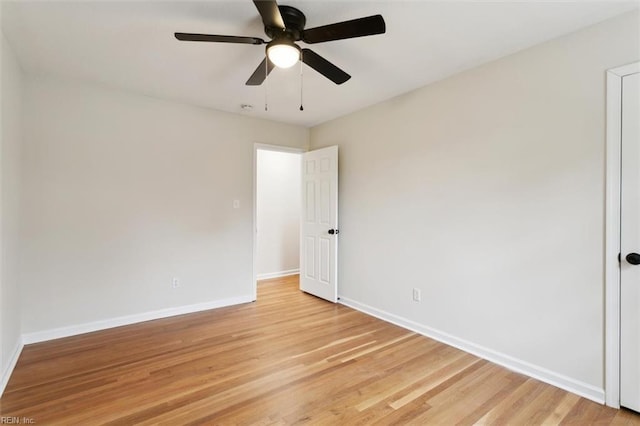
x: 277, y: 179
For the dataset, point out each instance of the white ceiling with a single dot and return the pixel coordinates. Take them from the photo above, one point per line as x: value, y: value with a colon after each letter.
x: 130, y: 45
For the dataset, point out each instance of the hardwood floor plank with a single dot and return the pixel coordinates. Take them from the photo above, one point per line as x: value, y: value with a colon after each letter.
x: 625, y: 417
x: 540, y: 408
x: 443, y: 370
x: 289, y: 358
x: 562, y: 409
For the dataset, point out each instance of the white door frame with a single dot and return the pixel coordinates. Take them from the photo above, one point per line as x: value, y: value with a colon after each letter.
x: 612, y: 232
x: 264, y: 147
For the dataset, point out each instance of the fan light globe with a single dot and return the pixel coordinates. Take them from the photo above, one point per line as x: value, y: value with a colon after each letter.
x: 283, y: 55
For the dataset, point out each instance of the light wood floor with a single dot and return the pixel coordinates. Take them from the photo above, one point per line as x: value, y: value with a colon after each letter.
x: 289, y: 358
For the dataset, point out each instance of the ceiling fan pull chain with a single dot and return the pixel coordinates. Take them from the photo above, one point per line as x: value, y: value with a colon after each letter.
x: 266, y: 83
x: 301, y: 81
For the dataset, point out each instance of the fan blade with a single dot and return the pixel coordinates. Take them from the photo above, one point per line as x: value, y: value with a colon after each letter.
x: 270, y: 13
x: 348, y: 29
x: 260, y: 74
x: 218, y: 38
x: 324, y: 67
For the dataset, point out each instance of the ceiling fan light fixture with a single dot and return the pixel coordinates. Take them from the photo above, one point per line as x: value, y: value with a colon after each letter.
x: 283, y: 53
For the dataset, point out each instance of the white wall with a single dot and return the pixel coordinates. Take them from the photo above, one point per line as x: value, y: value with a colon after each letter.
x: 124, y: 192
x: 486, y: 191
x: 10, y: 146
x: 278, y: 213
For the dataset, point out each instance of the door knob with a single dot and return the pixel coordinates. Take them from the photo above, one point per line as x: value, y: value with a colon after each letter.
x: 335, y: 231
x: 633, y: 258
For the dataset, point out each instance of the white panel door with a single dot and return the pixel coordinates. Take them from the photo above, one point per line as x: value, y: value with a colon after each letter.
x: 319, y: 224
x: 630, y: 245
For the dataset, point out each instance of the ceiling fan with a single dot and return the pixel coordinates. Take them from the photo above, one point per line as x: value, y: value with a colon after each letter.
x: 285, y: 25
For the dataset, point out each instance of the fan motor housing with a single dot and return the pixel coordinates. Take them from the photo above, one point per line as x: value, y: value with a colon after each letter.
x: 294, y: 22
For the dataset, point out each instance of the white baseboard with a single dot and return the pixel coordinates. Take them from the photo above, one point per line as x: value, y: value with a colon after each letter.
x: 57, y: 333
x: 278, y: 274
x: 6, y: 374
x: 563, y: 382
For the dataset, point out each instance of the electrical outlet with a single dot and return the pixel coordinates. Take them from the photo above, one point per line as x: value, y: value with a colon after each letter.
x: 175, y: 282
x: 417, y: 296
